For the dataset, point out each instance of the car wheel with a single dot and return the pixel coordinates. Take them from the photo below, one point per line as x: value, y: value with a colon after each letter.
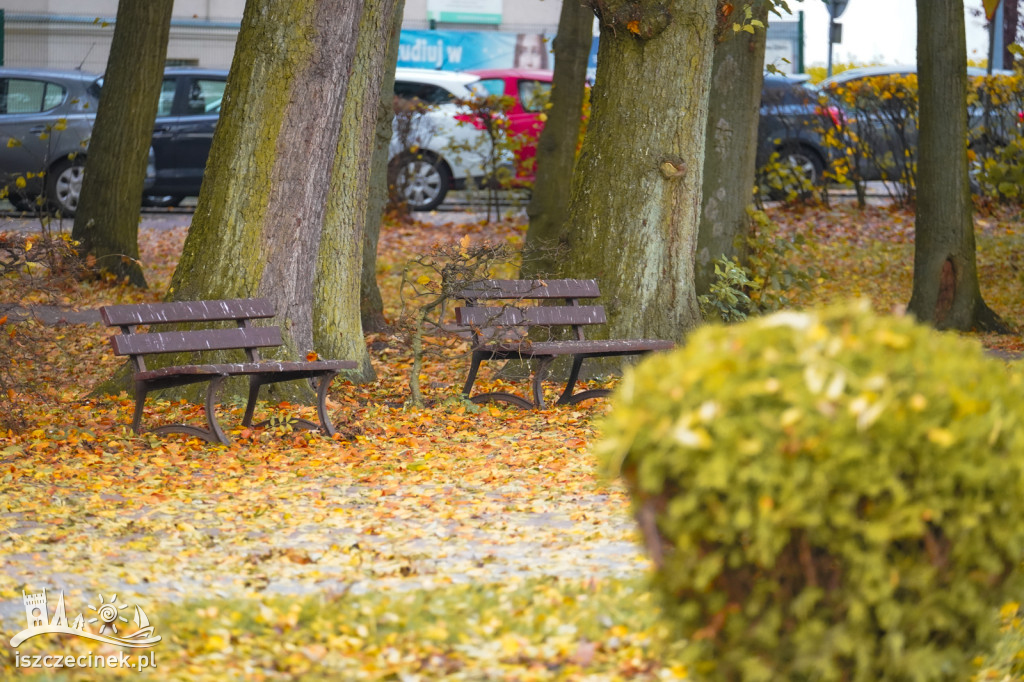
x: 166, y: 201
x: 22, y: 203
x: 421, y: 181
x: 64, y: 186
x: 797, y: 170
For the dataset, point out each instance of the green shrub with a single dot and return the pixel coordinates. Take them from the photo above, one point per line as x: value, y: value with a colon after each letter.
x: 827, y: 496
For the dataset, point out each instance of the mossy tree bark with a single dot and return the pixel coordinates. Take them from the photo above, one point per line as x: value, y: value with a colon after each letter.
x: 265, y: 208
x: 557, y: 144
x: 337, y: 326
x: 635, y: 203
x: 946, y: 292
x: 371, y: 305
x: 737, y: 74
x: 107, y: 219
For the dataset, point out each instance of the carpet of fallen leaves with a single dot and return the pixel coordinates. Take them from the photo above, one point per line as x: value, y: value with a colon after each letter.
x: 449, y: 542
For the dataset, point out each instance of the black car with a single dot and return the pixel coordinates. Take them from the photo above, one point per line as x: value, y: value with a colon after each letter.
x: 186, y: 117
x: 789, y: 135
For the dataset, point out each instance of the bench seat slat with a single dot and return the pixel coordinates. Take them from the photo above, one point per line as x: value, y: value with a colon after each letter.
x: 187, y: 311
x: 511, y: 316
x: 496, y: 289
x: 250, y: 368
x: 595, y: 348
x: 195, y: 340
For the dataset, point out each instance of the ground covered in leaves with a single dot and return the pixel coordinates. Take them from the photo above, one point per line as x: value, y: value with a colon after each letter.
x: 447, y: 542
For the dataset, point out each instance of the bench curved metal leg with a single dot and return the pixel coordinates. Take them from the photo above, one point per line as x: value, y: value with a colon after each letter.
x: 140, y: 399
x: 543, y: 364
x: 570, y: 398
x: 474, y: 367
x: 212, y: 434
x: 255, y: 383
x: 321, y: 403
x: 501, y: 396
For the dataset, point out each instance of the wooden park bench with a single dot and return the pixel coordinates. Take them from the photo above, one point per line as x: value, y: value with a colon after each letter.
x: 244, y: 337
x: 501, y: 332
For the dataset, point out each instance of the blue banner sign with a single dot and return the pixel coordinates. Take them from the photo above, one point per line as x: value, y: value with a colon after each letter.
x: 465, y: 50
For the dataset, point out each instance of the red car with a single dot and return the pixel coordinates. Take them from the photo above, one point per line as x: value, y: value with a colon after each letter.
x: 531, y: 90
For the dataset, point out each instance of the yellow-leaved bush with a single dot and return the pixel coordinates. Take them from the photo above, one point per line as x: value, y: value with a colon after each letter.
x: 830, y: 495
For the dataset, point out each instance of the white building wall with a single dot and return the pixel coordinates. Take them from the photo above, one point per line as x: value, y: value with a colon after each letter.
x: 64, y: 34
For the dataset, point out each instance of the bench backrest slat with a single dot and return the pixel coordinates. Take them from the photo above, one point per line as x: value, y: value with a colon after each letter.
x: 199, y: 340
x: 497, y: 289
x: 187, y: 311
x: 510, y: 316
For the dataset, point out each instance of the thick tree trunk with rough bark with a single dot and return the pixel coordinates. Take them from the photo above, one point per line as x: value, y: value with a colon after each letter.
x: 337, y: 326
x: 635, y: 203
x: 946, y: 292
x: 371, y: 305
x: 259, y: 224
x: 731, y: 138
x: 107, y: 218
x: 556, y: 146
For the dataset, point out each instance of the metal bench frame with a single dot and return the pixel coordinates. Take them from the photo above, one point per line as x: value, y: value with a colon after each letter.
x: 487, y: 322
x: 243, y: 337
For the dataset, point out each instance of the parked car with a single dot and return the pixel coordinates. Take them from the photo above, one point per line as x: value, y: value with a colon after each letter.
x: 187, y: 115
x: 46, y: 119
x: 431, y: 151
x: 790, y: 148
x: 530, y: 91
x: 890, y: 130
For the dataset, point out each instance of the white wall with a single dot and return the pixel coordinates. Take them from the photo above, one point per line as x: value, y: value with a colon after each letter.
x: 61, y: 34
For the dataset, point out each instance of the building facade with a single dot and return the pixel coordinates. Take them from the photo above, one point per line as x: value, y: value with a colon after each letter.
x: 65, y: 34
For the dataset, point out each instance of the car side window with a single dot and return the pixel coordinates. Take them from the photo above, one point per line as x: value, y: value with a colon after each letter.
x: 205, y: 96
x: 425, y: 92
x: 166, y: 105
x: 493, y: 86
x: 534, y: 95
x: 23, y: 96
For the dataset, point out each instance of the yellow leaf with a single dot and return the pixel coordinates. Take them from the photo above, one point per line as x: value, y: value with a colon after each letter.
x: 61, y: 124
x: 941, y: 437
x: 423, y: 280
x: 20, y: 182
x: 11, y: 142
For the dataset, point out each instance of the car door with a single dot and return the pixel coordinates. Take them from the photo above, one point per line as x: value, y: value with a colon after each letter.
x: 182, y: 136
x: 35, y: 128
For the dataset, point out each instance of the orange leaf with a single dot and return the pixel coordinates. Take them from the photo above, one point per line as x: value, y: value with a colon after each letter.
x: 311, y: 356
x: 634, y: 26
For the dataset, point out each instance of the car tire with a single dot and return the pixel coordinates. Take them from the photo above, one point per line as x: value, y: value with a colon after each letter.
x: 421, y: 181
x: 22, y: 203
x: 807, y: 164
x: 64, y: 186
x: 165, y: 201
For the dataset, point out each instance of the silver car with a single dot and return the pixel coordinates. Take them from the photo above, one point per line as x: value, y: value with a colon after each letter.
x: 46, y: 119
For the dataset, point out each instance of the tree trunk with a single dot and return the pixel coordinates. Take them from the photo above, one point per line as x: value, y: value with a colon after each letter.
x: 635, y: 202
x: 731, y: 137
x: 1011, y: 14
x: 946, y: 292
x: 261, y: 215
x: 557, y: 144
x: 337, y: 325
x: 107, y: 219
x: 371, y: 305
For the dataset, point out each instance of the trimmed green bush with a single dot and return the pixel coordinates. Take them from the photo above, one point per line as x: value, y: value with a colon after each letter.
x: 827, y: 496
